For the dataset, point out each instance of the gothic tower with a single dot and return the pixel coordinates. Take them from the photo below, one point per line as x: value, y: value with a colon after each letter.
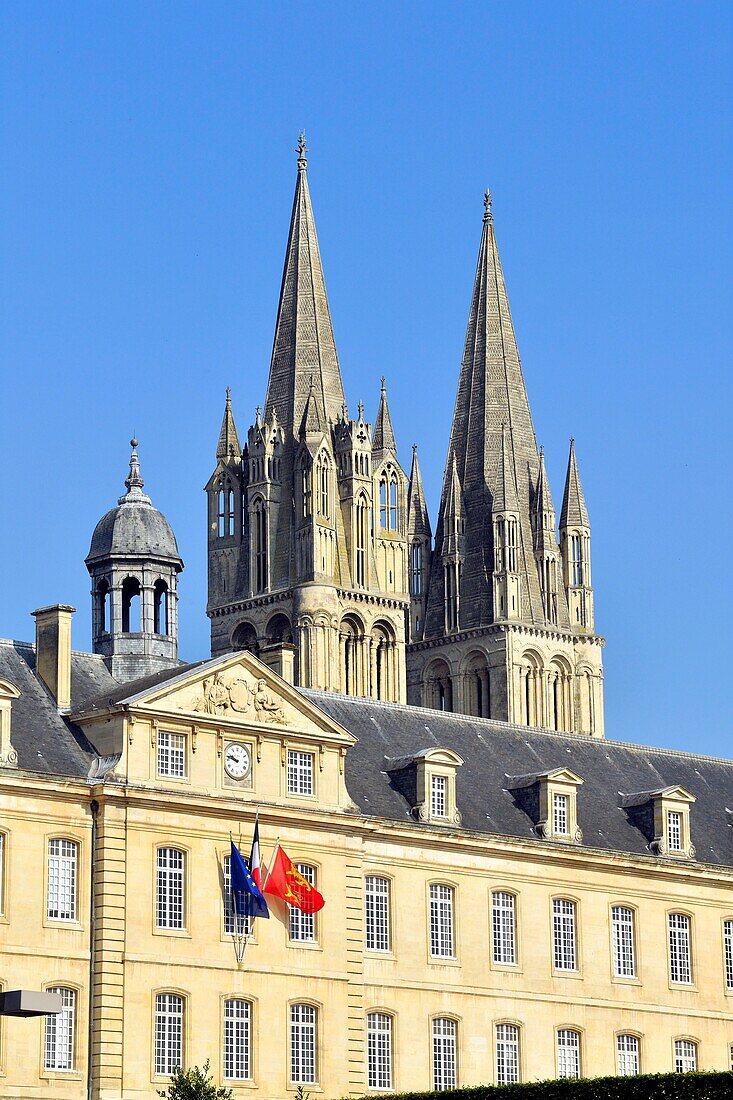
x: 509, y: 629
x: 134, y: 563
x: 307, y: 525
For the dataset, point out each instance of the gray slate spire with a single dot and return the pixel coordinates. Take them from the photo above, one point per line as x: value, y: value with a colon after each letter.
x: 228, y: 439
x: 574, y: 512
x: 505, y: 496
x: 304, y: 345
x: 418, y: 520
x: 384, y: 439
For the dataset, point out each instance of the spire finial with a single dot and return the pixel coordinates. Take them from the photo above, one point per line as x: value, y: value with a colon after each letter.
x: 488, y: 216
x: 229, y: 396
x: 384, y: 384
x: 414, y: 448
x: 360, y: 408
x: 134, y: 482
x: 542, y: 450
x: 302, y: 151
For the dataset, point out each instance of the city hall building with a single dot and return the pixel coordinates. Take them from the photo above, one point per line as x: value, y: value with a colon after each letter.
x: 416, y: 716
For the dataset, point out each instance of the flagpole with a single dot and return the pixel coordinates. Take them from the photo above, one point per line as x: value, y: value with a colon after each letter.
x: 272, y: 853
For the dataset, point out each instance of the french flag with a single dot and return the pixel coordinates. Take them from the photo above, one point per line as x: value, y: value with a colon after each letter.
x: 254, y: 859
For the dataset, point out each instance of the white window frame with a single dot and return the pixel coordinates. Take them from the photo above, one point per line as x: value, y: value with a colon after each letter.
x: 237, y: 1039
x: 506, y: 1059
x: 234, y: 923
x: 439, y: 796
x: 504, y: 928
x: 628, y: 1055
x: 728, y: 952
x: 442, y: 921
x: 63, y: 879
x: 60, y: 1033
x: 380, y: 1028
x: 685, y: 1056
x: 169, y: 1035
x: 3, y: 857
x: 301, y: 773
x: 377, y: 913
x: 623, y: 935
x: 569, y: 1064
x: 565, y: 935
x: 560, y: 814
x: 171, y: 755
x: 445, y: 1053
x: 302, y: 926
x: 675, y: 831
x: 303, y: 1044
x: 170, y: 889
x: 679, y: 938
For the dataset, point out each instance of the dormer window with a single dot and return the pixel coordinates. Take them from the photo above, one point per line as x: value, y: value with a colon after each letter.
x: 550, y: 799
x: 663, y: 816
x: 428, y: 783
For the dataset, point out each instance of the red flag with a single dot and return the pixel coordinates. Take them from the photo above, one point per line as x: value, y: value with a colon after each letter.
x: 285, y: 881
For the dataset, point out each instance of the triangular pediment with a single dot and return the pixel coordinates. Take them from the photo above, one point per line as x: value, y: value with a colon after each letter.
x: 233, y: 690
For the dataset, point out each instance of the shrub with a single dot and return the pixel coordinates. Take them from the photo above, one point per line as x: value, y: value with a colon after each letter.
x: 657, y: 1086
x: 194, y: 1084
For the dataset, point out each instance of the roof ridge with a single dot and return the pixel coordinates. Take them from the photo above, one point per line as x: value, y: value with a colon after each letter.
x: 16, y: 644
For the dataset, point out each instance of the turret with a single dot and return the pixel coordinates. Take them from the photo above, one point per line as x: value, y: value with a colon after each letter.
x: 505, y: 524
x: 419, y: 543
x: 227, y: 526
x: 390, y: 489
x: 134, y: 564
x: 454, y: 526
x: 545, y: 542
x: 575, y: 546
x: 265, y: 440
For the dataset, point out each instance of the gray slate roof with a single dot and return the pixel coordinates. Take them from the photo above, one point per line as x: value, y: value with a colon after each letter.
x: 493, y: 751
x: 133, y: 528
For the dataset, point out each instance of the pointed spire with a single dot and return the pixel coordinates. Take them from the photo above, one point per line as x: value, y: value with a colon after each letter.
x: 505, y: 496
x: 543, y: 497
x: 418, y: 519
x: 228, y: 439
x: 314, y: 417
x: 384, y: 439
x: 134, y: 482
x: 574, y: 511
x: 304, y: 343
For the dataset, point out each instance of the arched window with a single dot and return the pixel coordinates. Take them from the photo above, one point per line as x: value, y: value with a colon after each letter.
x: 237, y: 1039
x: 58, y: 1046
x: 170, y: 888
x: 383, y: 507
x: 305, y: 489
x: 131, y: 605
x: 576, y: 560
x: 259, y: 515
x: 445, y: 1054
x: 324, y: 486
x: 388, y: 500
x: 393, y: 502
x: 507, y: 1054
x: 568, y: 1052
x: 352, y: 643
x: 245, y: 637
x: 362, y: 530
x: 382, y: 667
x: 225, y: 508
x: 439, y: 686
x: 104, y: 607
x: 379, y: 1050
x: 160, y: 608
x: 685, y: 1056
x: 303, y: 1044
x: 62, y: 873
x: 511, y: 545
x: 416, y: 580
x: 452, y: 577
x: 478, y: 686
x: 168, y: 1033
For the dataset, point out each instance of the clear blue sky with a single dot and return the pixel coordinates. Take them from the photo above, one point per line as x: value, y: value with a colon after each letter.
x: 146, y: 180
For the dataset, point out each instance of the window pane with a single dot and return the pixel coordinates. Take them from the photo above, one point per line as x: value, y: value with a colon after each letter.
x: 2, y: 869
x: 441, y: 921
x: 376, y: 912
x: 379, y: 1050
x: 685, y: 1056
x: 445, y: 1074
x: 680, y: 969
x: 303, y: 925
x: 622, y: 922
x: 728, y: 942
x: 560, y: 805
x: 300, y: 772
x: 169, y: 908
x: 439, y: 795
x: 507, y: 1054
x: 303, y: 1045
x: 172, y: 754
x: 568, y: 1053
x: 674, y: 831
x: 563, y: 921
x: 168, y: 1033
x: 237, y: 1032
x: 62, y: 867
x: 59, y: 1037
x: 627, y: 1048
x: 503, y: 932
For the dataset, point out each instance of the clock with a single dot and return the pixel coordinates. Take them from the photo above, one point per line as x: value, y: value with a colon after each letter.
x: 236, y: 760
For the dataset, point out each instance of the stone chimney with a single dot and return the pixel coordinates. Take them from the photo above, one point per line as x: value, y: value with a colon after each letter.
x: 281, y: 659
x: 53, y: 651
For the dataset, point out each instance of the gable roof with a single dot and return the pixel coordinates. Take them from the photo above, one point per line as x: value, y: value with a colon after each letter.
x: 496, y: 751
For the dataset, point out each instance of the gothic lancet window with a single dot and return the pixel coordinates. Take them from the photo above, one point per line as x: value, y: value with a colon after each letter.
x: 576, y: 559
x: 511, y: 545
x: 452, y: 577
x: 388, y: 500
x: 305, y: 490
x: 324, y: 479
x: 416, y: 584
x: 362, y: 530
x: 225, y: 508
x: 259, y: 515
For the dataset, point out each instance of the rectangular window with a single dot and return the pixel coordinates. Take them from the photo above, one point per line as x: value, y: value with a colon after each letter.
x: 680, y: 964
x: 376, y: 914
x: 441, y: 922
x: 300, y: 772
x: 563, y: 928
x: 622, y: 924
x: 627, y: 1055
x: 168, y: 1033
x: 303, y: 1045
x: 303, y: 925
x: 445, y: 1060
x: 379, y: 1050
x: 2, y: 871
x: 172, y: 755
x: 685, y: 1056
x: 728, y: 944
x: 237, y: 923
x: 59, y: 1038
x: 560, y: 814
x: 237, y: 1040
x: 438, y: 795
x: 674, y: 831
x: 507, y: 1054
x: 503, y: 928
x: 169, y: 891
x: 568, y: 1053
x: 62, y: 874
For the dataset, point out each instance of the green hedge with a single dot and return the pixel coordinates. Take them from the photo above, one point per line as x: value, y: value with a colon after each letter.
x: 656, y: 1086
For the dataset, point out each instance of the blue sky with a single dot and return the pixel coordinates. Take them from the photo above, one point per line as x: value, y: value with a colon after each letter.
x: 145, y: 189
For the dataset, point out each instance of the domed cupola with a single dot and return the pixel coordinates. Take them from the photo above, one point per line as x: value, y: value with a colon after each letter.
x: 134, y: 564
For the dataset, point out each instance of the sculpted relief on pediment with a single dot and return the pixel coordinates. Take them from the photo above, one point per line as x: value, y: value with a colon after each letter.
x: 234, y: 694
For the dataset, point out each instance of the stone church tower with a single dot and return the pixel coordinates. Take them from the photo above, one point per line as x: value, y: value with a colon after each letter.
x: 508, y: 629
x: 307, y: 524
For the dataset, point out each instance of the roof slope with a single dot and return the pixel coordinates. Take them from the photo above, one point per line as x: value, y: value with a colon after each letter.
x: 494, y: 750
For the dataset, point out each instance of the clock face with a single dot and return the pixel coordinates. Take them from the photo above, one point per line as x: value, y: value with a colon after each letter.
x: 236, y: 761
